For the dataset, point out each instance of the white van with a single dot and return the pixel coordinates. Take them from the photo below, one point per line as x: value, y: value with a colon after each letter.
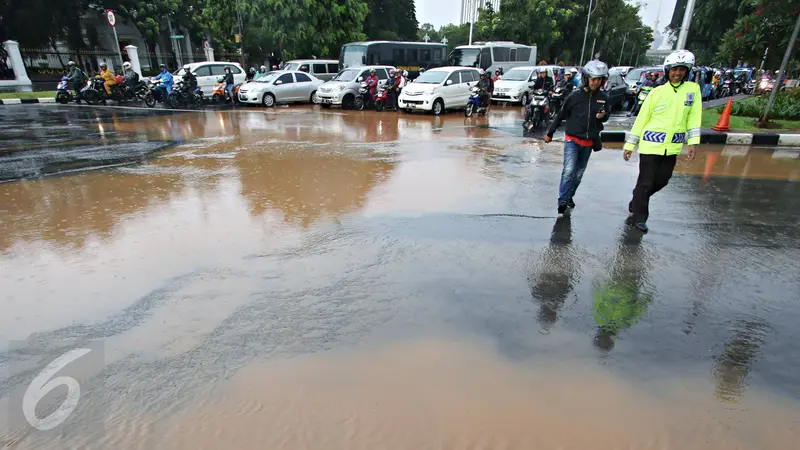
x: 439, y: 89
x: 491, y: 56
x: 208, y: 74
x: 324, y: 69
x: 513, y: 86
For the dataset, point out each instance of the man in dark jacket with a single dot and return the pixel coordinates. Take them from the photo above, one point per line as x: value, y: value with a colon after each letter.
x: 229, y: 82
x: 584, y: 111
x: 76, y: 79
x: 543, y: 81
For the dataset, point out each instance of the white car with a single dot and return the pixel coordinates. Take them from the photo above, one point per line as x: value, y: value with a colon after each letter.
x: 514, y: 85
x: 281, y: 86
x: 439, y: 89
x: 343, y: 88
x: 208, y: 74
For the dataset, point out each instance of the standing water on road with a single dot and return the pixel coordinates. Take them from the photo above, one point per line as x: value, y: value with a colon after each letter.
x: 294, y: 279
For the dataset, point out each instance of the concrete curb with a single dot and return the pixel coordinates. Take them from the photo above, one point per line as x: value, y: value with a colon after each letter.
x: 26, y: 101
x: 716, y: 137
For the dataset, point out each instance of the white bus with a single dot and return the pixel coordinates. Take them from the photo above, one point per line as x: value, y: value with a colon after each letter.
x: 491, y: 56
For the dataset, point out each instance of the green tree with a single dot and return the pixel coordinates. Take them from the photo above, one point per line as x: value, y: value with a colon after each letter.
x: 391, y: 20
x: 428, y: 30
x: 769, y: 25
x: 455, y: 34
x: 707, y: 30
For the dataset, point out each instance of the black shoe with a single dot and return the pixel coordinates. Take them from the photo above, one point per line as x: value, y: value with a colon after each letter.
x: 562, y: 209
x: 571, y: 204
x: 641, y: 226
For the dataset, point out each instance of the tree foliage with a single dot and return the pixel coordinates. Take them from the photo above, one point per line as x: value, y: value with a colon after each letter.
x: 768, y: 25
x: 391, y: 20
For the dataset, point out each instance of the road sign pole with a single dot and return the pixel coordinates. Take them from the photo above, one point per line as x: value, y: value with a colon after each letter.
x: 119, y: 51
x: 112, y: 21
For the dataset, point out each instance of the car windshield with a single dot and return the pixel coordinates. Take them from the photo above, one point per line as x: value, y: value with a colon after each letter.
x: 346, y: 75
x: 290, y: 66
x: 431, y: 77
x: 634, y: 75
x: 467, y: 57
x: 517, y: 75
x: 269, y: 77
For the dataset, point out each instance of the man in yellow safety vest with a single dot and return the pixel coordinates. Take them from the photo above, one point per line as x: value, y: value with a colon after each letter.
x: 670, y: 117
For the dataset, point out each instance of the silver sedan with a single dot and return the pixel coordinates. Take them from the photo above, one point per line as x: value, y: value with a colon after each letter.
x: 281, y: 86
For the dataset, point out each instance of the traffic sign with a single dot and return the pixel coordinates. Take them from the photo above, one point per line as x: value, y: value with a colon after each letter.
x: 177, y: 36
x: 112, y: 19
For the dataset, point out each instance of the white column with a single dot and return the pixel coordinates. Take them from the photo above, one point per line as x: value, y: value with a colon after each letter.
x: 12, y: 48
x: 133, y: 55
x: 209, y: 53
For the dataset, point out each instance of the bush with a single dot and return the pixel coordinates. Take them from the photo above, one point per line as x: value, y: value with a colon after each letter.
x: 787, y: 106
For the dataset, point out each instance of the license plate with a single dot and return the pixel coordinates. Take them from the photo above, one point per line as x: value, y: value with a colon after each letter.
x: 326, y: 100
x: 412, y: 106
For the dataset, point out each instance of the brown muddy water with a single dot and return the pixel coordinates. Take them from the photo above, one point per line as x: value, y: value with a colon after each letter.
x: 300, y: 279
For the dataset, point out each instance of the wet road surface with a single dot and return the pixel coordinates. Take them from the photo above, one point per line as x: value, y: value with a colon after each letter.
x: 292, y: 279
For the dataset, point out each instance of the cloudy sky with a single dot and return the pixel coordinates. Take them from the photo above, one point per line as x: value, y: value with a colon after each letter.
x: 442, y: 12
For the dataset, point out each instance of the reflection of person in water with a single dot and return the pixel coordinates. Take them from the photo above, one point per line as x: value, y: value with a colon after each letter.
x: 621, y: 301
x: 556, y: 275
x: 731, y: 368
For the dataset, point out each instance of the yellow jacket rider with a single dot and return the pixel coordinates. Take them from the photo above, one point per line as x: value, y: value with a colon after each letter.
x: 670, y: 117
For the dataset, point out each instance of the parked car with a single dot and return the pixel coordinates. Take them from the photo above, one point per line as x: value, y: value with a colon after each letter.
x: 281, y: 86
x: 344, y: 87
x: 617, y: 91
x: 439, y: 89
x: 324, y: 69
x: 513, y: 85
x: 620, y: 70
x: 208, y: 73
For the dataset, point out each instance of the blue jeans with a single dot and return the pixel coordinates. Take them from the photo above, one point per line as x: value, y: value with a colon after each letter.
x: 229, y: 90
x: 576, y: 158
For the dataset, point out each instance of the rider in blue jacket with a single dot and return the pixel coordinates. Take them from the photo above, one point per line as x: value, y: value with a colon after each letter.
x: 166, y: 79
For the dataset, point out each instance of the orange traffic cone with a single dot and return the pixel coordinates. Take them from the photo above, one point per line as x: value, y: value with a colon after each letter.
x: 711, y: 159
x: 725, y: 118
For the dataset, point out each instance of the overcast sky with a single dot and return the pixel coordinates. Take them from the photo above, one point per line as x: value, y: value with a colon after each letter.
x: 442, y: 12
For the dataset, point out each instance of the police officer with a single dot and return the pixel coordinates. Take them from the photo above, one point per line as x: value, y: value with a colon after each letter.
x: 669, y: 118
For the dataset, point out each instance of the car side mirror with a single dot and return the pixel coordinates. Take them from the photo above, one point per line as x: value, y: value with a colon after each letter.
x: 448, y: 82
x: 279, y: 82
x: 360, y: 79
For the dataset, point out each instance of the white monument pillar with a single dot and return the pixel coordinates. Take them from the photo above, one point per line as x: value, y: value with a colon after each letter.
x: 133, y: 55
x: 209, y: 53
x: 12, y: 48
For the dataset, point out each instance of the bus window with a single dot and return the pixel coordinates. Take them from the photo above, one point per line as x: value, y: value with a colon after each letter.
x: 437, y: 55
x: 425, y: 55
x: 354, y: 55
x: 501, y: 54
x: 523, y: 54
x: 513, y: 55
x: 486, y: 58
x: 467, y: 57
x: 399, y: 57
x: 412, y: 57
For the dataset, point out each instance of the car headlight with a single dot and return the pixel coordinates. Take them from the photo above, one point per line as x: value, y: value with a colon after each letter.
x: 340, y: 88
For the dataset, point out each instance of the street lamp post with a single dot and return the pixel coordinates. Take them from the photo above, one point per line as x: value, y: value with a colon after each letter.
x: 687, y: 21
x: 586, y: 32
x: 622, y: 51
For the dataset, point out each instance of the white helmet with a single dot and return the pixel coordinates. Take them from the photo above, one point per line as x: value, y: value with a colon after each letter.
x: 405, y: 73
x: 596, y: 69
x: 481, y: 71
x: 71, y: 63
x: 679, y: 58
x: 126, y: 65
x: 573, y: 71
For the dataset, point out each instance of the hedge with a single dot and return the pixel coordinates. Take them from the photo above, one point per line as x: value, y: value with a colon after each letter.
x: 787, y: 106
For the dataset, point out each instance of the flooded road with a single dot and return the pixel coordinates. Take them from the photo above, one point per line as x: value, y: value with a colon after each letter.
x: 299, y: 279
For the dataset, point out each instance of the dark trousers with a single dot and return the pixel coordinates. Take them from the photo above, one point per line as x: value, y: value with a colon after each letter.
x: 654, y: 173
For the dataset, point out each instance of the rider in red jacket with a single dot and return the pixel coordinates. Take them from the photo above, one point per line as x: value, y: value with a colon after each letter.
x: 372, y: 82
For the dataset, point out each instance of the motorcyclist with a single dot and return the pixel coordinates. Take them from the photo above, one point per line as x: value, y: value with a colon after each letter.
x: 251, y: 74
x: 130, y: 76
x: 274, y: 67
x: 76, y: 78
x: 393, y: 85
x: 166, y: 80
x: 304, y: 68
x: 189, y: 80
x: 567, y: 83
x: 228, y: 80
x: 262, y: 72
x: 486, y: 86
x: 372, y: 81
x: 543, y: 81
x: 106, y: 74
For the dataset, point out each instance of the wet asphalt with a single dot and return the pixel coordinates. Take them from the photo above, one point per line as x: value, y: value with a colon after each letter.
x: 204, y: 242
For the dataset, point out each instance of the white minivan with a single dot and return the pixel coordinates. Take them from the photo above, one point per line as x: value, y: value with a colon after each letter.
x: 439, y: 89
x: 324, y: 69
x: 208, y: 74
x: 343, y: 88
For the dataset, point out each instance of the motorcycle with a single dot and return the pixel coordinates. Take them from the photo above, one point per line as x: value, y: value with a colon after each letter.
x: 750, y: 88
x: 144, y: 93
x: 557, y: 101
x: 537, y: 109
x: 474, y: 102
x: 363, y: 99
x: 727, y: 88
x: 382, y: 99
x: 644, y: 91
x: 94, y: 92
x: 159, y: 95
x: 182, y: 96
x: 219, y: 95
x: 63, y: 95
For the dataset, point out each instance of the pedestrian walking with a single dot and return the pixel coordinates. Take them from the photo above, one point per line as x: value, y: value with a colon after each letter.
x: 669, y: 118
x: 584, y: 111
